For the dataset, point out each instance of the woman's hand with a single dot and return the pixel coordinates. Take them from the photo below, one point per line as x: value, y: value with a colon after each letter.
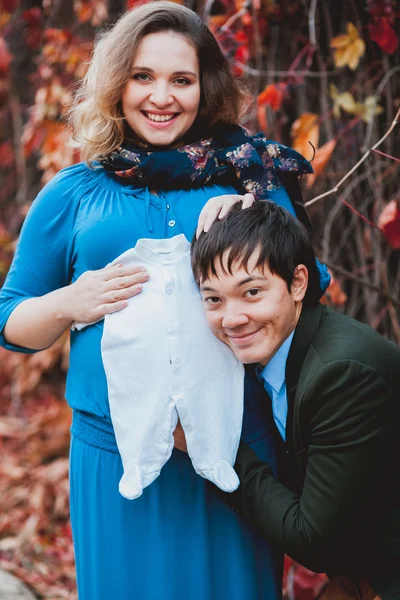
x: 218, y: 207
x: 179, y: 438
x: 98, y: 293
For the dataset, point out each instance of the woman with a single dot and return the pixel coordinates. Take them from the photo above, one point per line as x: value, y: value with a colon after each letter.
x: 156, y: 121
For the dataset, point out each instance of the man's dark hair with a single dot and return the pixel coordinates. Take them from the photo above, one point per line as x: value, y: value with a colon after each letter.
x: 281, y: 240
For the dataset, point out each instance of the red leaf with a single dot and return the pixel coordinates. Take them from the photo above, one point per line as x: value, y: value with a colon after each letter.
x: 32, y: 16
x: 271, y: 96
x: 262, y: 119
x: 242, y: 54
x: 9, y: 6
x: 300, y: 583
x: 132, y: 3
x: 334, y: 294
x: 6, y: 155
x: 382, y: 8
x: 389, y: 222
x: 307, y: 585
x: 57, y: 36
x: 384, y: 35
x: 5, y: 57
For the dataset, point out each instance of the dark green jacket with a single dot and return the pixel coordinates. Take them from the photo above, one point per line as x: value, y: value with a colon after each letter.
x: 336, y: 506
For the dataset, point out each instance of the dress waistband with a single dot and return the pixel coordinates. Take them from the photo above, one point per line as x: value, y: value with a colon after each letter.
x: 93, y: 430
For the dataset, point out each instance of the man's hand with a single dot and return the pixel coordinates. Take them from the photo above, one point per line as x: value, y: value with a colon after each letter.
x: 179, y: 438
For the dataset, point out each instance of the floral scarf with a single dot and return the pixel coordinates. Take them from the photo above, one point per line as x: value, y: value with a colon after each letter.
x: 249, y: 163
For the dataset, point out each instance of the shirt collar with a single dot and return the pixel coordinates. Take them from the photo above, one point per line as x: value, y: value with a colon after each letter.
x: 274, y: 371
x: 163, y: 252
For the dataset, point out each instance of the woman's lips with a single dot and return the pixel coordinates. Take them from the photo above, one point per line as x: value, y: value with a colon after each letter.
x: 160, y: 124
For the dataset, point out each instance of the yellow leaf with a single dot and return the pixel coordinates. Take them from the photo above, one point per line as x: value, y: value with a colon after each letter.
x: 348, y: 48
x: 352, y: 31
x: 346, y: 102
x: 340, y: 41
x: 305, y: 130
x: 357, y: 50
x: 333, y: 91
x: 368, y: 109
x: 342, y: 100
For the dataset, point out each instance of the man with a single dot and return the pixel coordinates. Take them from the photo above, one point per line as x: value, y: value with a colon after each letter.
x: 334, y: 388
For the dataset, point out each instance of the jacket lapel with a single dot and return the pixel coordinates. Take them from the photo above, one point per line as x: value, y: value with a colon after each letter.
x: 304, y: 334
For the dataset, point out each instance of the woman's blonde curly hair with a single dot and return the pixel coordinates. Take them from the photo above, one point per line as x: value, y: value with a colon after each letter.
x: 96, y: 115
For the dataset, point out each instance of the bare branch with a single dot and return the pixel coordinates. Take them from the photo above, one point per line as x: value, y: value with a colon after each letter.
x: 234, y: 18
x: 362, y: 159
x: 311, y: 23
x: 377, y: 94
x: 279, y: 74
x: 387, y: 155
x: 207, y: 10
x: 363, y: 282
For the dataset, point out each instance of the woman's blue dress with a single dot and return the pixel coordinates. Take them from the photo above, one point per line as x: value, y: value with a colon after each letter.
x: 178, y: 540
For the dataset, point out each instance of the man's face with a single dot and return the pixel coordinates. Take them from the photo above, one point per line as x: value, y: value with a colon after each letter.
x: 252, y: 310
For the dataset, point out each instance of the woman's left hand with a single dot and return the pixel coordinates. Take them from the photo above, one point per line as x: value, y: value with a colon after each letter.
x: 218, y: 207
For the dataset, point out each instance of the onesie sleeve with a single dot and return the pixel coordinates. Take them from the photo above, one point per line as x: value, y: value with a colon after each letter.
x: 42, y: 261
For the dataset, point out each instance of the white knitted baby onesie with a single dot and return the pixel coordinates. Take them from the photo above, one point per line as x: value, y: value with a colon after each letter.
x: 162, y: 361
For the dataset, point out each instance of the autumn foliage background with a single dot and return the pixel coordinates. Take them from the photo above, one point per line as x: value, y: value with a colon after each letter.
x: 324, y: 76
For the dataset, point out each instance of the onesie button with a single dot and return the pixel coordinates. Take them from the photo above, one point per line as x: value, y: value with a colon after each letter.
x: 169, y: 289
x: 171, y: 223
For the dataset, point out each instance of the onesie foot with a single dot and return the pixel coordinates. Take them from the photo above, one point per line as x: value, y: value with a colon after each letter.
x: 223, y: 475
x: 130, y: 486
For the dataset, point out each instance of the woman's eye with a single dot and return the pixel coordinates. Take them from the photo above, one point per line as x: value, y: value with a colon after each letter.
x: 182, y: 81
x: 141, y: 77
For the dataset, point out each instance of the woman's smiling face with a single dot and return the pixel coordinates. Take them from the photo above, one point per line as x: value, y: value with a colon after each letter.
x: 161, y: 100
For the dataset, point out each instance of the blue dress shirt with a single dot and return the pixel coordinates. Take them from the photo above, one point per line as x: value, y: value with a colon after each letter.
x: 273, y: 379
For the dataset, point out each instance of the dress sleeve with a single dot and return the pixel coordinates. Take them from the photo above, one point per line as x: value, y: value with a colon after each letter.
x: 281, y: 197
x: 43, y: 257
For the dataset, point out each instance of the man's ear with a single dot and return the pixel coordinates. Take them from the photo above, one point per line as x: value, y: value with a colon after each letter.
x: 299, y: 285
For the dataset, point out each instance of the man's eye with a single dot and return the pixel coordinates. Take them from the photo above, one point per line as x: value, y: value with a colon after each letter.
x: 141, y: 77
x: 212, y: 300
x: 252, y: 293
